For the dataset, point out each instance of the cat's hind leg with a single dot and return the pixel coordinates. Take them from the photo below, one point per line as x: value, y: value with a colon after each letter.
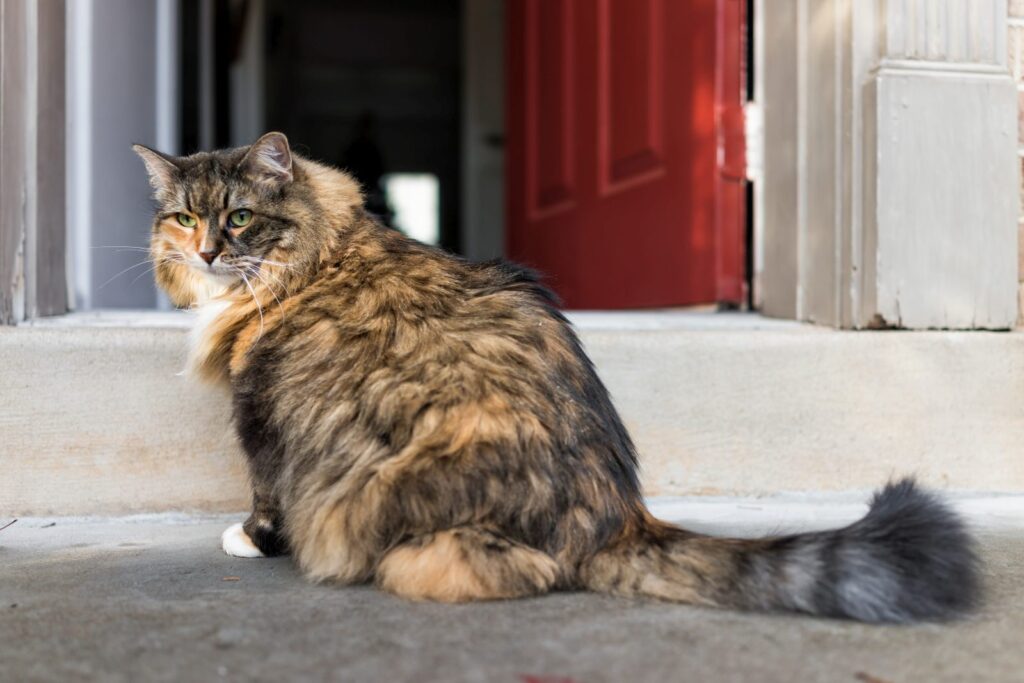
x: 465, y: 564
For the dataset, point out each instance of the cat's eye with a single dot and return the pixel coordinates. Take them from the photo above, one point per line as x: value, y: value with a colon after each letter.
x: 240, y: 218
x: 186, y: 221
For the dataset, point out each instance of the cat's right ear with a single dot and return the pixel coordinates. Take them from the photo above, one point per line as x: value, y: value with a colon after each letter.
x: 160, y: 166
x: 269, y: 160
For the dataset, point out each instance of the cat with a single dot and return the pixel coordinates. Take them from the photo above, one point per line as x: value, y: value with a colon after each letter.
x: 434, y: 426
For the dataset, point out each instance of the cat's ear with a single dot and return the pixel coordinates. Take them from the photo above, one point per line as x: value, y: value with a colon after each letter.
x: 160, y: 166
x: 269, y: 160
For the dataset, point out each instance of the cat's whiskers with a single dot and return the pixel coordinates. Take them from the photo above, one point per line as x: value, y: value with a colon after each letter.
x: 153, y: 260
x: 252, y: 265
x: 255, y: 272
x: 149, y: 270
x: 276, y: 278
x: 255, y: 300
x: 260, y: 260
x: 121, y: 247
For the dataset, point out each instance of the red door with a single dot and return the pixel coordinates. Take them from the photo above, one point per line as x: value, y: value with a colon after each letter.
x: 625, y: 149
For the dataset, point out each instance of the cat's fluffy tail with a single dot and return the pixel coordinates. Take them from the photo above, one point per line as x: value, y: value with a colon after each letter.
x: 909, y: 559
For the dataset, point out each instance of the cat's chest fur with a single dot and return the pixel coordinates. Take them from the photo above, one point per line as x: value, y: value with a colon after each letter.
x: 206, y: 316
x: 211, y: 339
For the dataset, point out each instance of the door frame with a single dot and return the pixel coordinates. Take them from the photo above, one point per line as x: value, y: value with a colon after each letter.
x: 731, y: 201
x: 33, y: 277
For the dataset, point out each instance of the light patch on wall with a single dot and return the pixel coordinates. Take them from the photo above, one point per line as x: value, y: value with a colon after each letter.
x: 416, y: 200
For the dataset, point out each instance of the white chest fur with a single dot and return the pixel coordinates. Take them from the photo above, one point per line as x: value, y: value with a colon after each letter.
x: 199, y: 344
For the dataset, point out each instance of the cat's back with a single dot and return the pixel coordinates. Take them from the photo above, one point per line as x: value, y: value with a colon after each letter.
x: 386, y: 294
x: 393, y: 326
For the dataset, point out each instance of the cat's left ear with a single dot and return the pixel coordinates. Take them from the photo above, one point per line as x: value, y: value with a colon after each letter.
x: 269, y: 160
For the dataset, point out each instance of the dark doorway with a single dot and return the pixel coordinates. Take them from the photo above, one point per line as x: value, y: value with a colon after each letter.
x: 371, y: 86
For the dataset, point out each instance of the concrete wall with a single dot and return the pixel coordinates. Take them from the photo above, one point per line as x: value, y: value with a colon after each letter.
x: 99, y: 421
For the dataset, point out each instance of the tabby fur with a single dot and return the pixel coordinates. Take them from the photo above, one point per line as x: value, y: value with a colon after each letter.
x: 434, y: 425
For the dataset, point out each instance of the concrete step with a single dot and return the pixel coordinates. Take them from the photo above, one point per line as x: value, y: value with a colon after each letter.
x: 95, y: 420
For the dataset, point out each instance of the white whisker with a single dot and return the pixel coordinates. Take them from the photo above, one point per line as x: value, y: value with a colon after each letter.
x: 266, y: 284
x: 156, y: 261
x: 276, y: 279
x: 255, y: 300
x: 149, y: 270
x: 119, y: 274
x: 260, y: 260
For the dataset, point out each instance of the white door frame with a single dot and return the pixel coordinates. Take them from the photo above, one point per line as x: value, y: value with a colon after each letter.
x: 890, y: 170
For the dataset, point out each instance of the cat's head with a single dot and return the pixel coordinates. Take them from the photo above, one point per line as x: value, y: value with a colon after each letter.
x: 223, y: 218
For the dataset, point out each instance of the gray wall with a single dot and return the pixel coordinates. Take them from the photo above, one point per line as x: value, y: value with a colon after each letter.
x: 112, y: 103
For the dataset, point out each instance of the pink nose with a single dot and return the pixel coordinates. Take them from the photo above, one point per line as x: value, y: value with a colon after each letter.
x: 208, y: 256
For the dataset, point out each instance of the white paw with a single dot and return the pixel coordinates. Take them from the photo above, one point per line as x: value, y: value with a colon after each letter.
x: 237, y: 543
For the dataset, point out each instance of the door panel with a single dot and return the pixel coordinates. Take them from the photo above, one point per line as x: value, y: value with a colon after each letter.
x: 549, y: 100
x: 613, y: 150
x: 630, y: 109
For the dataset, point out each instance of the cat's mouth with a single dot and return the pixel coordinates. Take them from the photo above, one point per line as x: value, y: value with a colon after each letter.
x: 218, y: 269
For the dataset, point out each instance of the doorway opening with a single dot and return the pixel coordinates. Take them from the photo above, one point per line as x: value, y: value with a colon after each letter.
x: 388, y: 91
x: 600, y: 143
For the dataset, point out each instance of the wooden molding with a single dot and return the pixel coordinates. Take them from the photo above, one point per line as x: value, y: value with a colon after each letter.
x: 33, y: 279
x: 889, y: 164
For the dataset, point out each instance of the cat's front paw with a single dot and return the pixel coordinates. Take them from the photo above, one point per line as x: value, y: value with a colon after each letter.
x: 237, y: 543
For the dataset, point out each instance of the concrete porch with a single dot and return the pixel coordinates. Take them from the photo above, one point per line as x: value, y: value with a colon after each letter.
x: 153, y: 598
x: 745, y: 425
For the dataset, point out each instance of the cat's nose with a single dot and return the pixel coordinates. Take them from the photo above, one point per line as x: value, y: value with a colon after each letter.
x: 208, y: 256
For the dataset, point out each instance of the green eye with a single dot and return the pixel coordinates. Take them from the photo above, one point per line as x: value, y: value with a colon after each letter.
x: 240, y: 218
x: 186, y: 221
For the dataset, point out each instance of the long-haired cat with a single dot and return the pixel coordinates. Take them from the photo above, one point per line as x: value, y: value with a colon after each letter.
x: 433, y: 425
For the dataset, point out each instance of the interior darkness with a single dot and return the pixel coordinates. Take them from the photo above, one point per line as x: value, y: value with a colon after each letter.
x: 228, y: 20
x: 371, y: 86
x: 189, y: 96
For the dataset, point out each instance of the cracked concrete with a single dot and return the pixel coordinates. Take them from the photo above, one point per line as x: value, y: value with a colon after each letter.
x: 154, y: 599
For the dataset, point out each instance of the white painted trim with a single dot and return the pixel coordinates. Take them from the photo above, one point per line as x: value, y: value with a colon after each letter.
x: 948, y: 69
x: 168, y: 91
x: 79, y: 152
x: 31, y: 199
x: 168, y: 77
x: 756, y: 148
x: 802, y: 95
x: 877, y: 84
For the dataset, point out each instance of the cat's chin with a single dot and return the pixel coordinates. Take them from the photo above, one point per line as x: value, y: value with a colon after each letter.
x: 217, y: 277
